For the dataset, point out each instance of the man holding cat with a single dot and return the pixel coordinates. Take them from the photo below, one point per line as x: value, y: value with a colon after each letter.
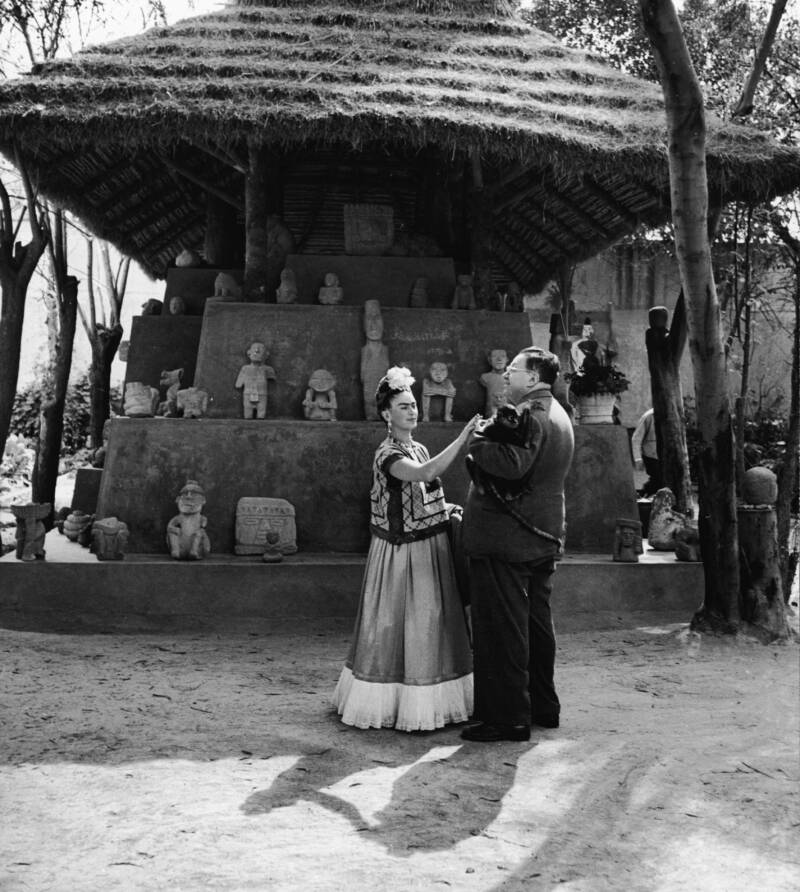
x: 513, y: 539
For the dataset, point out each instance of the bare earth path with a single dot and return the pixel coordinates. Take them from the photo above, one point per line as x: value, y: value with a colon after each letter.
x: 148, y: 762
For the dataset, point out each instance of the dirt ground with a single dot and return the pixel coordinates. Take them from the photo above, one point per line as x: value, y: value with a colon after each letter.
x: 147, y: 762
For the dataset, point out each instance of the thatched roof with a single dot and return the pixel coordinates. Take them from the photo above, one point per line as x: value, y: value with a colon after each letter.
x: 573, y: 151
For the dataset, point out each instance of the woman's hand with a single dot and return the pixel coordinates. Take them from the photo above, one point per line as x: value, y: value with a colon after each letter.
x: 470, y: 427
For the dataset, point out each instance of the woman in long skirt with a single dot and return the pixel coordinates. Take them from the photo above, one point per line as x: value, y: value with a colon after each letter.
x: 410, y: 665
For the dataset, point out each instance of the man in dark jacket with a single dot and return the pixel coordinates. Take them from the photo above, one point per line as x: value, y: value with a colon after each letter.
x: 513, y: 536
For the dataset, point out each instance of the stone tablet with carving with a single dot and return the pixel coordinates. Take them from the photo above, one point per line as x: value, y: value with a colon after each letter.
x: 256, y: 516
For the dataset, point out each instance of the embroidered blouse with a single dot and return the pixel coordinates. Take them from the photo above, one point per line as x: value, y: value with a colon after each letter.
x: 403, y: 510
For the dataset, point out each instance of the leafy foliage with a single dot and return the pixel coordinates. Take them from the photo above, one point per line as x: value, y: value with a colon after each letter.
x: 27, y: 405
x: 594, y: 379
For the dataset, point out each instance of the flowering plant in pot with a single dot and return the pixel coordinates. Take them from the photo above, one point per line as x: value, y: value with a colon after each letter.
x: 597, y: 379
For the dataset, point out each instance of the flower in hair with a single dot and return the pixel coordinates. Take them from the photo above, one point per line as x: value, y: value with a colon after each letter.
x: 399, y: 378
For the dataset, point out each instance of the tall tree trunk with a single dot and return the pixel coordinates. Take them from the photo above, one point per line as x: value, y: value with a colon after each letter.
x: 51, y: 419
x: 664, y: 350
x: 104, y: 349
x: 18, y: 262
x: 689, y: 195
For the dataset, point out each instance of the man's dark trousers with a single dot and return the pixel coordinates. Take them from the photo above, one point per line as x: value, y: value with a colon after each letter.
x: 515, y: 643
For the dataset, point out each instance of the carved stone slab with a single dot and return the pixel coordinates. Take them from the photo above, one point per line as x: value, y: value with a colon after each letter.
x: 256, y: 516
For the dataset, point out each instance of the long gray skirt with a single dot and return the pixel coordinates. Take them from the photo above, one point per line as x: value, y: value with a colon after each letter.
x: 410, y: 665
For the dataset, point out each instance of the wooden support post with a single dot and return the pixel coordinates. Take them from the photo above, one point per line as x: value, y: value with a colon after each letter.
x: 480, y: 241
x: 256, y: 213
x: 759, y: 569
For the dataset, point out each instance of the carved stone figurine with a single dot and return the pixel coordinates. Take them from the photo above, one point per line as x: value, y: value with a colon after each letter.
x: 109, y: 539
x: 141, y: 400
x: 286, y: 292
x: 320, y: 400
x: 687, y: 543
x: 186, y: 532
x: 177, y: 305
x: 627, y: 541
x: 272, y: 548
x: 586, y: 351
x: 463, y: 294
x: 171, y: 380
x: 75, y: 523
x: 494, y: 382
x: 419, y: 293
x: 374, y: 357
x: 192, y: 402
x: 513, y: 301
x: 30, y: 530
x: 438, y: 384
x: 253, y: 379
x: 188, y: 258
x: 99, y: 456
x: 664, y: 521
x: 152, y: 307
x: 226, y: 288
x: 331, y: 292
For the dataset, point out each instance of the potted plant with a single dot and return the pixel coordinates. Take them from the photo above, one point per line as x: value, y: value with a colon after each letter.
x: 595, y: 387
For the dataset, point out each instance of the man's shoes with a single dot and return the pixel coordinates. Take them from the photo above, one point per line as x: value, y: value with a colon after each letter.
x: 485, y: 732
x: 545, y: 721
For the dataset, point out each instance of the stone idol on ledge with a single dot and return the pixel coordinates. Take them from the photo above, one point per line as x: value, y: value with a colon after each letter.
x: 320, y: 400
x: 141, y: 400
x: 226, y: 288
x: 253, y: 379
x: 494, y: 382
x: 109, y: 539
x: 438, y: 386
x: 286, y: 292
x: 186, y: 533
x: 627, y: 541
x: 30, y: 530
x: 665, y: 522
x: 170, y: 379
x: 331, y: 293
x: 256, y: 517
x: 464, y: 294
x: 192, y: 402
x: 374, y: 357
x: 75, y: 523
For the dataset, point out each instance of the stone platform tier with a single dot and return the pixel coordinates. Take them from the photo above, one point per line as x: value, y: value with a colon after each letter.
x: 324, y: 470
x: 72, y: 591
x: 301, y: 339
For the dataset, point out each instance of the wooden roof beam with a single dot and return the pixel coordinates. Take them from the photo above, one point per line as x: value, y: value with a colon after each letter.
x: 228, y: 158
x: 554, y: 243
x: 514, y: 258
x: 608, y: 199
x: 553, y: 217
x: 579, y: 212
x: 203, y: 184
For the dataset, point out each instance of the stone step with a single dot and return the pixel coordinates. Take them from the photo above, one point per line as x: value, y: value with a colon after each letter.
x: 73, y: 590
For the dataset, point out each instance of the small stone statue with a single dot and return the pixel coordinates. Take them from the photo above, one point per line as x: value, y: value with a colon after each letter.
x: 320, y: 400
x: 627, y: 541
x: 192, y: 402
x: 438, y: 384
x: 177, y: 306
x: 586, y: 352
x: 31, y: 530
x: 286, y: 292
x: 374, y: 357
x: 226, y: 288
x: 494, y: 382
x: 463, y: 295
x: 186, y: 532
x: 272, y: 548
x: 171, y: 380
x: 419, y: 293
x: 253, y: 379
x: 109, y: 539
x: 152, y: 307
x: 188, y: 258
x: 687, y: 543
x: 141, y: 400
x: 514, y: 300
x: 75, y: 523
x: 664, y: 521
x: 256, y: 517
x: 280, y: 244
x: 331, y: 292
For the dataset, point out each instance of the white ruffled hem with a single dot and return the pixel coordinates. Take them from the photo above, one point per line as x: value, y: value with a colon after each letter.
x: 369, y: 704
